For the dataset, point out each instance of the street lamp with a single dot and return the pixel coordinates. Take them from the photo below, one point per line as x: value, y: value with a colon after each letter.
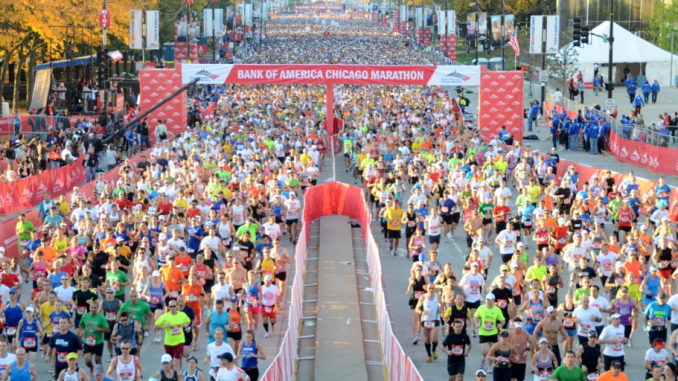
x: 477, y: 6
x: 672, y: 35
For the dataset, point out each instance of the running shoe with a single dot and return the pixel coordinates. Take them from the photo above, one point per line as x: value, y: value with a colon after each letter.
x: 266, y: 334
x: 435, y: 355
x: 428, y: 359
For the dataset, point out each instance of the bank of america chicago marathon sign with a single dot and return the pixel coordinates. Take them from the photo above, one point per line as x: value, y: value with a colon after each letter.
x: 333, y: 74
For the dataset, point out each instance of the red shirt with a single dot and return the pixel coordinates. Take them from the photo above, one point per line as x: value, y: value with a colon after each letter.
x: 68, y: 268
x: 9, y: 279
x: 122, y: 204
x: 164, y: 209
x: 193, y: 212
x: 498, y: 209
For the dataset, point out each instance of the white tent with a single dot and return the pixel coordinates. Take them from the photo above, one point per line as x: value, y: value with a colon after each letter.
x: 628, y: 49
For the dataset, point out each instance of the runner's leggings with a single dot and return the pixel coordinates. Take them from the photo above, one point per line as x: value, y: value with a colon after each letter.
x: 502, y: 374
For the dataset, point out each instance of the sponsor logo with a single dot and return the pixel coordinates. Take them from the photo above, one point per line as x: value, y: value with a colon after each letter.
x: 516, y: 90
x: 161, y: 75
x: 153, y: 81
x: 644, y: 158
x: 508, y: 109
x: 515, y: 103
x: 654, y: 162
x: 494, y: 83
x: 176, y: 114
x: 26, y: 196
x: 516, y: 116
x: 146, y: 101
x: 145, y: 75
x: 515, y: 129
x: 484, y: 129
x: 170, y: 120
x: 175, y: 75
x: 175, y: 88
x: 454, y: 77
x: 501, y: 90
x: 635, y: 156
x: 154, y: 95
x: 493, y: 109
x: 501, y: 76
x: 487, y: 89
x: 175, y: 101
x: 624, y: 152
x: 493, y: 96
x: 500, y: 103
x: 41, y: 190
x: 509, y: 83
x: 494, y: 123
x: 508, y: 96
x: 161, y: 88
x: 205, y: 75
x: 517, y: 76
x: 145, y: 88
x: 486, y: 76
x: 169, y: 82
x: 500, y: 116
x: 161, y: 113
x: 485, y: 116
x: 486, y: 103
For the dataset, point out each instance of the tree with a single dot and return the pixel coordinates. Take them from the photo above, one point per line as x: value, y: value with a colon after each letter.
x: 562, y: 65
x: 662, y: 23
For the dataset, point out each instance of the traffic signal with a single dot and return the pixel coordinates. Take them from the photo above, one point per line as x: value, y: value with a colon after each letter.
x: 584, y: 34
x: 103, y: 63
x: 576, y: 32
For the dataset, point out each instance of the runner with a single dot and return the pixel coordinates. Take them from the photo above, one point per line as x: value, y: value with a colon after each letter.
x: 429, y: 307
x: 251, y: 353
x: 487, y: 318
x: 457, y: 346
x: 173, y: 322
x: 215, y: 350
x: 269, y: 304
x: 125, y: 330
x: 126, y: 366
x: 64, y: 344
x: 110, y: 307
x: 29, y: 333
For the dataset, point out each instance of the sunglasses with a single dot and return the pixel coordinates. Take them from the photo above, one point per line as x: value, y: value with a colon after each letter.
x: 173, y: 306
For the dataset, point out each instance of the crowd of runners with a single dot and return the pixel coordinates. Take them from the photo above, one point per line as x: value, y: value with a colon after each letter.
x: 186, y: 249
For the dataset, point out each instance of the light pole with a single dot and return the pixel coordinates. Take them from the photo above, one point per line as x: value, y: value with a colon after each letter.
x: 477, y: 6
x: 672, y: 34
x: 503, y: 31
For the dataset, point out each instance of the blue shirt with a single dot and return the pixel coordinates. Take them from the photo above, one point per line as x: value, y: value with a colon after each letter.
x: 657, y: 314
x: 194, y: 243
x: 68, y: 343
x: 55, y: 279
x: 646, y: 88
x: 655, y: 87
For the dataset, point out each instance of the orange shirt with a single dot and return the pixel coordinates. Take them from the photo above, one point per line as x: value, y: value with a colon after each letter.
x: 607, y: 376
x: 614, y: 248
x: 235, y: 319
x: 192, y: 294
x: 48, y: 254
x: 548, y: 202
x: 633, y: 268
x: 184, y: 264
x: 549, y: 223
x: 193, y: 212
x: 560, y: 233
x: 170, y: 275
x: 107, y: 243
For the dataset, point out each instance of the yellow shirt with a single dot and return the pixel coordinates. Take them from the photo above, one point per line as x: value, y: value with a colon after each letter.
x: 534, y: 191
x: 64, y: 208
x: 46, y: 309
x: 226, y: 191
x: 181, y: 203
x: 393, y: 217
x: 60, y: 245
x: 501, y: 166
x: 360, y: 159
x: 304, y: 158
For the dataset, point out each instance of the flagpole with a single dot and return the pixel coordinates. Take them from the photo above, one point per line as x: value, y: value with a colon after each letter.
x: 515, y: 60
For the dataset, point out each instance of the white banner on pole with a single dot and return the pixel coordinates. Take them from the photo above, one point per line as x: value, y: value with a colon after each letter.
x: 136, y: 29
x: 552, y: 34
x: 441, y: 22
x: 248, y: 14
x: 219, y: 22
x: 536, y: 34
x: 152, y: 29
x: 452, y: 22
x: 420, y: 17
x: 403, y: 13
x: 208, y: 18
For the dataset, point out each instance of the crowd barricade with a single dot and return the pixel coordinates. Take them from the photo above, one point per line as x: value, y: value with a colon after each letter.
x: 643, y: 153
x: 345, y: 200
x: 27, y: 193
x: 40, y: 124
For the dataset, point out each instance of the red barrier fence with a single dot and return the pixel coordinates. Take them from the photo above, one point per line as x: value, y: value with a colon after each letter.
x: 648, y: 156
x: 324, y: 200
x: 23, y: 194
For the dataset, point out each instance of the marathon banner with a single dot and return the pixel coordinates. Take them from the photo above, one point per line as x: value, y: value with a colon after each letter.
x: 318, y: 7
x: 451, y: 22
x: 501, y: 104
x: 334, y: 74
x: 152, y: 30
x: 155, y: 86
x: 23, y: 194
x: 136, y: 29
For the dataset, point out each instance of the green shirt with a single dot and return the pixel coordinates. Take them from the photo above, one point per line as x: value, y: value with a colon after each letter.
x: 564, y: 374
x: 485, y: 209
x: 115, y: 280
x: 614, y: 207
x: 87, y: 322
x: 489, y: 319
x: 534, y: 272
x: 137, y: 312
x: 24, y: 230
x: 580, y: 293
x: 174, y: 334
x: 252, y: 229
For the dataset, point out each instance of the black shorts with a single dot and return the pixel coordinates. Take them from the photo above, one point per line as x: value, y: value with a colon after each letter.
x: 455, y: 368
x: 97, y: 350
x: 487, y: 221
x: 237, y: 336
x: 393, y: 234
x: 291, y: 221
x: 469, y: 241
x: 282, y: 276
x: 499, y: 226
x: 472, y: 305
x: 278, y: 220
x: 160, y: 307
x: 455, y: 217
x: 45, y: 339
x: 518, y: 371
x: 10, y: 339
x: 434, y: 239
x: 409, y: 232
x: 188, y: 336
x: 627, y: 331
x: 489, y: 339
x: 625, y: 228
x: 447, y: 220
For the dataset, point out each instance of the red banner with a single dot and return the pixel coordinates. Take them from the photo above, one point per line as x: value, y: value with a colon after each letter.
x: 104, y: 18
x: 156, y: 85
x: 501, y: 103
x: 20, y: 195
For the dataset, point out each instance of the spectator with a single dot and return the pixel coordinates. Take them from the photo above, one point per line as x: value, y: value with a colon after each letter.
x: 638, y: 103
x: 647, y: 89
x: 571, y: 88
x: 142, y: 131
x: 630, y: 88
x: 655, y: 91
x: 91, y: 164
x: 582, y: 87
x: 597, y: 84
x: 161, y: 133
x: 532, y: 114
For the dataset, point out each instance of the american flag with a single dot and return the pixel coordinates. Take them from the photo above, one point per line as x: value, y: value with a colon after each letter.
x: 53, y: 89
x: 514, y: 43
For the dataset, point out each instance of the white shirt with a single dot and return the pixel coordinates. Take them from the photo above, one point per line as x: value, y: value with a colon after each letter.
x: 6, y: 362
x: 65, y: 294
x: 586, y: 322
x: 598, y: 303
x: 272, y: 230
x: 235, y: 374
x: 607, y: 262
x: 4, y: 294
x: 472, y: 284
x: 660, y: 358
x: 508, y: 242
x: 673, y: 303
x: 214, y: 351
x: 609, y: 333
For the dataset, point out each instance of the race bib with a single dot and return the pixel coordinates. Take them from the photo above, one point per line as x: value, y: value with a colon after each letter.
x: 155, y: 300
x: 584, y: 328
x: 174, y: 294
x: 418, y: 294
x: 394, y: 223
x: 445, y: 209
x: 82, y: 310
x: 251, y: 300
x: 175, y: 330
x: 475, y: 290
x: 501, y: 303
x: 192, y: 298
x: 658, y: 322
x: 90, y: 340
x: 29, y: 343
x: 62, y: 356
x: 111, y: 316
x: 562, y: 240
x: 527, y: 223
x: 568, y: 322
x: 434, y: 230
x: 430, y: 324
x: 457, y: 350
x: 24, y: 243
x: 411, y: 224
x: 488, y: 326
x: 268, y: 310
x: 125, y: 376
x: 592, y: 377
x: 11, y: 331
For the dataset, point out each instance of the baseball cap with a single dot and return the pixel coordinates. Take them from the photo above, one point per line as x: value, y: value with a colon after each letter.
x: 490, y: 297
x: 503, y: 268
x: 98, y: 370
x: 268, y: 278
x: 13, y: 291
x: 481, y: 372
x: 543, y: 340
x: 30, y: 309
x: 561, y: 221
x: 156, y: 273
x: 119, y: 239
x: 643, y: 227
x: 549, y: 310
x: 514, y: 265
x: 616, y: 364
x: 619, y: 265
x: 226, y: 356
x: 162, y: 236
x: 504, y: 334
x: 615, y: 316
x: 234, y: 298
x: 72, y: 355
x: 593, y: 334
x: 166, y: 358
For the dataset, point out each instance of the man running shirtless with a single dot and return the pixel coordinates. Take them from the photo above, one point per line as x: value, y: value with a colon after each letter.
x: 473, y: 228
x: 550, y: 328
x: 237, y: 276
